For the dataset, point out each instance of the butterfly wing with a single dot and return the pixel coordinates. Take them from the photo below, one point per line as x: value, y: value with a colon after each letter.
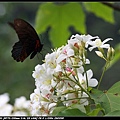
x: 28, y: 43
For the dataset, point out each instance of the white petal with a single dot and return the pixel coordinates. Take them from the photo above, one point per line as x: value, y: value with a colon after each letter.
x: 99, y: 54
x: 70, y: 52
x: 91, y: 48
x: 4, y: 98
x: 92, y: 82
x: 61, y: 57
x: 106, y: 40
x: 89, y: 74
x: 6, y: 110
x: 58, y: 68
x: 105, y: 46
x: 87, y: 61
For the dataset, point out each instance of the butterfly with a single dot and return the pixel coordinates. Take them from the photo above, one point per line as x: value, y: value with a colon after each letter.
x: 29, y: 42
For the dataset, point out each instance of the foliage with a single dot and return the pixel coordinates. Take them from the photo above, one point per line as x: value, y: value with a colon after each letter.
x: 59, y: 17
x: 108, y: 99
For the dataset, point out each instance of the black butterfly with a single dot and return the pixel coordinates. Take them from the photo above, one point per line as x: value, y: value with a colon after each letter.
x: 29, y: 42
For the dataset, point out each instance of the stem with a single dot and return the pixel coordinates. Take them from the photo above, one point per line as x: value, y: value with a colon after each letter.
x: 84, y: 66
x: 69, y: 79
x: 74, y: 99
x: 102, y: 74
x: 85, y: 74
x: 113, y: 6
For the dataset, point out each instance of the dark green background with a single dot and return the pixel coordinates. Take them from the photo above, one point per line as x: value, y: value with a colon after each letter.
x: 16, y: 77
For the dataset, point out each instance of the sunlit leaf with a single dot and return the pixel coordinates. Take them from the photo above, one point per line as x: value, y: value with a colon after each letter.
x: 94, y: 112
x: 109, y: 100
x: 100, y: 10
x: 57, y: 110
x: 59, y: 17
x: 79, y: 106
x: 114, y: 113
x: 71, y: 112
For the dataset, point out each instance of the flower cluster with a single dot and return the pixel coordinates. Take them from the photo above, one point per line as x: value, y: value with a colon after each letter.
x: 20, y: 107
x: 63, y: 78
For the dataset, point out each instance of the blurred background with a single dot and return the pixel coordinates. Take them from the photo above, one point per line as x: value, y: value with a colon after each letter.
x: 16, y: 77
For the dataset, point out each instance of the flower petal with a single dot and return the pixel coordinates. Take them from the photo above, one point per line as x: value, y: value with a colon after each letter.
x: 92, y: 82
x: 106, y: 40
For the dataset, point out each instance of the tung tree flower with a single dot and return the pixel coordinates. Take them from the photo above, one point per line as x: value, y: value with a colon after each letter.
x: 20, y: 107
x: 5, y: 107
x: 99, y: 44
x: 63, y: 77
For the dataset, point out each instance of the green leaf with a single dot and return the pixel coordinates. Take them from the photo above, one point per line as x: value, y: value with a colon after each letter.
x: 59, y: 18
x: 96, y: 95
x: 57, y: 110
x: 71, y: 112
x: 94, y: 112
x: 109, y: 100
x: 115, y: 89
x: 79, y: 106
x: 100, y: 10
x: 114, y: 113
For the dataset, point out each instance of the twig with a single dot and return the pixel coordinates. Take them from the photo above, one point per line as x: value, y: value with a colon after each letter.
x: 115, y: 7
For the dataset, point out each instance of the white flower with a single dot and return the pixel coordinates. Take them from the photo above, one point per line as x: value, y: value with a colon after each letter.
x: 92, y: 82
x: 43, y: 75
x: 65, y: 53
x: 19, y: 113
x: 41, y: 102
x: 50, y: 59
x: 78, y: 38
x: 35, y: 102
x: 99, y: 44
x: 5, y: 108
x: 21, y: 102
x: 60, y: 77
x: 35, y: 96
x: 70, y: 96
x: 39, y: 71
x: 4, y: 98
x: 51, y: 62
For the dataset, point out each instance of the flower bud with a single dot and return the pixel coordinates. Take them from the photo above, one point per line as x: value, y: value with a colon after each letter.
x: 110, y: 53
x: 99, y: 54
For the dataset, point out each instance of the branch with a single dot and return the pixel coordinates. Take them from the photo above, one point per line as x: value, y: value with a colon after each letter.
x: 115, y: 7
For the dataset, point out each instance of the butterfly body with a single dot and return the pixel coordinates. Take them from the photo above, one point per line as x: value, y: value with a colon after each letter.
x: 29, y: 42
